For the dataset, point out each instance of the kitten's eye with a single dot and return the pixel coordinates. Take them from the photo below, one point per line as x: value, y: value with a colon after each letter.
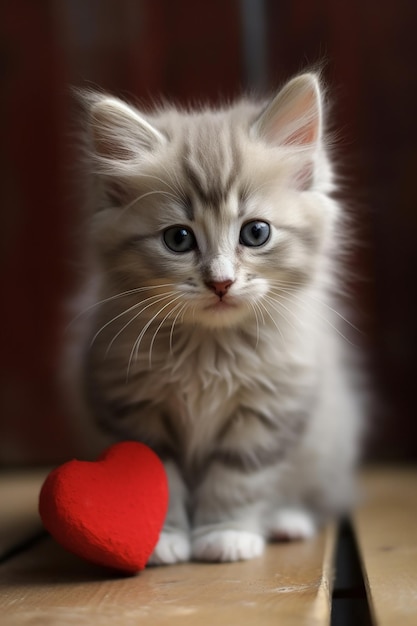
x: 254, y: 234
x: 179, y: 239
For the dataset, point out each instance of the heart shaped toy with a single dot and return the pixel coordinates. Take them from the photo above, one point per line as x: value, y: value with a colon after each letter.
x: 109, y: 511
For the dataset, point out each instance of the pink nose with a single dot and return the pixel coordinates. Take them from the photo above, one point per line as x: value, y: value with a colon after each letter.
x: 220, y: 288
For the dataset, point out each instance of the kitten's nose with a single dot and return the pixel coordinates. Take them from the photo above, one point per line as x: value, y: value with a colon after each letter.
x: 220, y: 287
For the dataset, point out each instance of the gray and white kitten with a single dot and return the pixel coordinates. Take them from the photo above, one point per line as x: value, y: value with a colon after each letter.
x: 212, y: 335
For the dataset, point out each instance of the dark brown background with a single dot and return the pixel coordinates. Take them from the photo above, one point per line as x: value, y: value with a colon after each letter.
x: 187, y: 50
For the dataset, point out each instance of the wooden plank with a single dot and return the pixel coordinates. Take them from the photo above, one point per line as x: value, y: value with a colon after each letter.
x: 386, y: 530
x: 19, y: 519
x: 290, y: 585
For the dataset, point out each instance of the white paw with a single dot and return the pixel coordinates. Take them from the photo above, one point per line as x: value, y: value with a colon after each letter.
x: 172, y: 547
x: 227, y: 545
x: 290, y: 524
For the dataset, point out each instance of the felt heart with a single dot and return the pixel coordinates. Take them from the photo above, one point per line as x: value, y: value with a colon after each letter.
x: 110, y: 511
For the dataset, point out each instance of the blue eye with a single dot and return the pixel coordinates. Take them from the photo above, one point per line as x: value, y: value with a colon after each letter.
x: 179, y: 239
x: 255, y: 234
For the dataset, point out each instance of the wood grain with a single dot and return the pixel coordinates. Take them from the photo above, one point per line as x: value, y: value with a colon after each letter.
x: 45, y: 585
x: 386, y: 530
x: 290, y: 585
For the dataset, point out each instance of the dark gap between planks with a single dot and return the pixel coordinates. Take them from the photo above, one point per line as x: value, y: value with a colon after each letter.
x: 350, y: 605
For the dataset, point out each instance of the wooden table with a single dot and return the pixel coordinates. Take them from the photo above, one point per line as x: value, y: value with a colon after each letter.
x: 317, y: 582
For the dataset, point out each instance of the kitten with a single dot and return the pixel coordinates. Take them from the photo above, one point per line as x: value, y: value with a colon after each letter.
x: 213, y: 338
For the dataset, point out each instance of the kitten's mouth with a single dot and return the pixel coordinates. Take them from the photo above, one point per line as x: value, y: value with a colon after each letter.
x: 221, y: 304
x: 223, y: 312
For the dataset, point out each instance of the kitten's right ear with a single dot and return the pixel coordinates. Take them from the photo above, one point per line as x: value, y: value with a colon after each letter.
x: 294, y: 117
x: 118, y: 132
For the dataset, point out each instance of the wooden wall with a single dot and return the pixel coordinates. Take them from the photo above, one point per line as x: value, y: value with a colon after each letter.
x: 187, y: 50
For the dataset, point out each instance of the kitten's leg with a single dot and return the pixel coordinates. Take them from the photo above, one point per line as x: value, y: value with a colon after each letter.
x: 174, y: 542
x: 228, y: 512
x: 290, y: 524
x: 214, y: 544
x: 230, y: 505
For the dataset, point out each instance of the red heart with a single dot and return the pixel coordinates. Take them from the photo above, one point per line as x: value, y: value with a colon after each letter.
x: 110, y: 511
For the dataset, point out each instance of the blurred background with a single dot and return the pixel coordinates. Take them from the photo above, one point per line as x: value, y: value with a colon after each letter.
x: 185, y: 50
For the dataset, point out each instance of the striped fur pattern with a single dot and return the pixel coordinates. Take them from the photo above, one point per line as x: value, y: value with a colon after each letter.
x: 211, y: 332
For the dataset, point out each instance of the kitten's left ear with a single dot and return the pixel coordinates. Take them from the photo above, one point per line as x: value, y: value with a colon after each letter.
x: 294, y: 117
x: 121, y: 140
x: 119, y: 132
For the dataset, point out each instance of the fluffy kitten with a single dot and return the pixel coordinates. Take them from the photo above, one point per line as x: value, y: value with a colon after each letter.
x: 213, y: 338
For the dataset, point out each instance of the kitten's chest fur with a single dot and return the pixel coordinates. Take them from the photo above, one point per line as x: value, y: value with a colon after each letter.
x: 199, y: 379
x: 207, y: 377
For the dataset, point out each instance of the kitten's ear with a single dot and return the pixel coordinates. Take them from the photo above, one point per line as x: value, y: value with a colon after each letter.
x: 119, y: 132
x: 120, y: 140
x: 294, y: 117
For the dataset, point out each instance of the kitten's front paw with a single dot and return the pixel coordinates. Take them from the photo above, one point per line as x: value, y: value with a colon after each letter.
x: 227, y: 545
x: 291, y: 524
x: 172, y: 547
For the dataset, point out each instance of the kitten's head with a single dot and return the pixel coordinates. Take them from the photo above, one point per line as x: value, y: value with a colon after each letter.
x: 212, y: 210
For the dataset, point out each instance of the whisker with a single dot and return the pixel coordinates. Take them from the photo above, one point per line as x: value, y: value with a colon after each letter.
x: 171, y: 334
x: 115, y: 297
x: 176, y: 183
x: 319, y: 316
x: 260, y: 312
x: 273, y: 320
x: 145, y: 195
x: 336, y: 312
x: 288, y: 287
x: 161, y: 180
x: 249, y: 193
x: 113, y: 319
x: 293, y: 285
x: 135, y: 349
x: 160, y: 326
x: 253, y: 305
x: 164, y: 297
x: 272, y: 302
